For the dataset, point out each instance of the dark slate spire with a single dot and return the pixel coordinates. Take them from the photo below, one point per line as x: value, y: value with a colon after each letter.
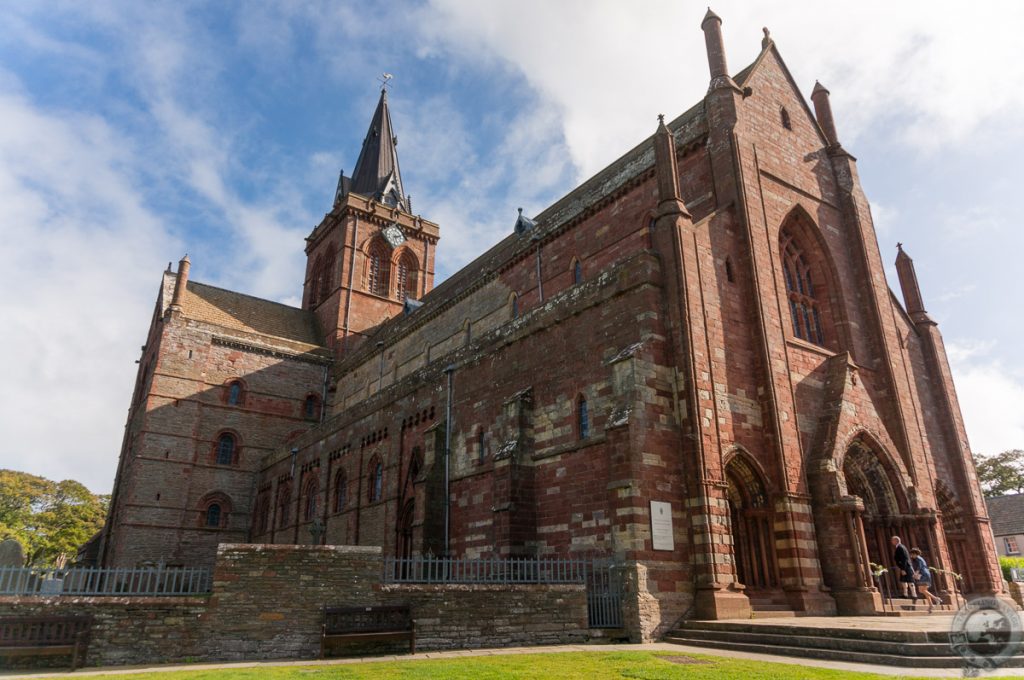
x: 377, y: 174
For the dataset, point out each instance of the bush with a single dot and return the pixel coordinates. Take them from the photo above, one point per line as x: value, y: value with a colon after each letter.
x: 1008, y: 563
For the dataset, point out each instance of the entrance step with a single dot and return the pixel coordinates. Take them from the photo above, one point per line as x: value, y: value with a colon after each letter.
x: 769, y: 604
x: 907, y: 607
x: 892, y: 647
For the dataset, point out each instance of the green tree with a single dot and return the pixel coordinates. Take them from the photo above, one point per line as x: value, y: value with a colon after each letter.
x: 48, y: 518
x: 1001, y: 473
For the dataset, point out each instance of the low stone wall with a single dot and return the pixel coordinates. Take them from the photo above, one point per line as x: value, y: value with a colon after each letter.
x: 268, y: 600
x: 463, y: 616
x: 125, y: 629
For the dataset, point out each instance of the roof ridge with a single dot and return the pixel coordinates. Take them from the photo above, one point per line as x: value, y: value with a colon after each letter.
x: 248, y: 295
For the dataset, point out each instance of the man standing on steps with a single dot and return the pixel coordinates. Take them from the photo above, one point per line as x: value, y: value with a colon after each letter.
x: 901, y: 556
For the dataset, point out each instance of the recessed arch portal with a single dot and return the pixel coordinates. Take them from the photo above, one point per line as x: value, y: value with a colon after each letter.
x: 751, y: 516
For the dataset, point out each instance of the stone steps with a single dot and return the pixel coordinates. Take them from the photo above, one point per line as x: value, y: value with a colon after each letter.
x: 887, y: 647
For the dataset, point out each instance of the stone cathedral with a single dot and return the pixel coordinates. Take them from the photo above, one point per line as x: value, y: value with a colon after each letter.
x: 692, y: 363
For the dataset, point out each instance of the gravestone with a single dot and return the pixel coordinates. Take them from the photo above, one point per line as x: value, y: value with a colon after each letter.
x: 11, y: 556
x: 11, y: 553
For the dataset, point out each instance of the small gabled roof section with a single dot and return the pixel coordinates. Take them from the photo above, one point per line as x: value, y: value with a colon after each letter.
x: 251, y: 315
x: 768, y: 47
x: 1006, y: 514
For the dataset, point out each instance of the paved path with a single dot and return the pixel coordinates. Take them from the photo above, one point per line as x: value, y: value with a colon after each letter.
x: 657, y: 646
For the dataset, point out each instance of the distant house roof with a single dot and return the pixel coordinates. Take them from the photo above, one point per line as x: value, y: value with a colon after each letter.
x: 1006, y: 514
x: 248, y: 314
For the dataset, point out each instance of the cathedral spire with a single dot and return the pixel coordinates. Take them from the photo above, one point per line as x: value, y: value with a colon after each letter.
x: 377, y: 174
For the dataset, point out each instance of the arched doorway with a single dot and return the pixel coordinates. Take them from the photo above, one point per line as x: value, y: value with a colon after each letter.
x: 753, y: 538
x: 886, y: 513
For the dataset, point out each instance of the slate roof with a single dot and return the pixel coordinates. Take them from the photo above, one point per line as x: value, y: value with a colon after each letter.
x: 377, y: 169
x: 1006, y: 514
x: 248, y: 314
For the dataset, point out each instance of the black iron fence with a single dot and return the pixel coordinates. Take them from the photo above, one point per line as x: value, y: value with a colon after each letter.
x: 101, y: 581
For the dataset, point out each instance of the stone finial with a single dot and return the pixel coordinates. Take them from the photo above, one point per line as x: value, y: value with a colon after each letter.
x: 912, y: 298
x: 766, y: 41
x: 823, y: 112
x: 180, y: 282
x: 712, y: 27
x: 666, y: 170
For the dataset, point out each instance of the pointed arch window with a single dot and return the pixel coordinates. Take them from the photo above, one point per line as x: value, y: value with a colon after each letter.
x: 375, y: 483
x: 226, y: 449
x: 314, y: 281
x: 284, y: 503
x: 310, y: 506
x: 577, y: 271
x: 340, y: 491
x: 406, y: 280
x: 514, y: 305
x: 325, y: 273
x: 481, y: 443
x: 804, y: 305
x: 378, y: 279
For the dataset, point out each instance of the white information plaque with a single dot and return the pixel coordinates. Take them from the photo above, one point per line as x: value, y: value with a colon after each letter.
x: 661, y: 526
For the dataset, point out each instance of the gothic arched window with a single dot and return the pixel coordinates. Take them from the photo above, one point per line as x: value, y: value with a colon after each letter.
x: 378, y: 275
x: 225, y: 449
x: 375, y: 483
x: 284, y: 502
x: 340, y: 491
x: 406, y: 277
x: 514, y: 305
x: 315, y: 275
x: 804, y: 310
x: 577, y: 271
x: 310, y: 494
x: 326, y: 272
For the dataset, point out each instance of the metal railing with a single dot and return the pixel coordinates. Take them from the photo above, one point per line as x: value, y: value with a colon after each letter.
x: 1016, y: 574
x: 485, y: 570
x: 159, y: 581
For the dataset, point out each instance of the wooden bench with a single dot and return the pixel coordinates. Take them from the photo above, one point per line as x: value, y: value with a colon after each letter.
x: 45, y: 635
x: 367, y: 624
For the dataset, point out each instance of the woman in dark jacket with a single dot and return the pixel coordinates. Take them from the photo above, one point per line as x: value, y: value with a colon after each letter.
x: 922, y: 577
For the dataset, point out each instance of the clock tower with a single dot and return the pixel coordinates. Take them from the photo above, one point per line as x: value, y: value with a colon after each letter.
x: 370, y: 253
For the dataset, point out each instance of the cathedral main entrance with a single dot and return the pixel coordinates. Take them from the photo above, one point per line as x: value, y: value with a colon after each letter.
x: 886, y: 513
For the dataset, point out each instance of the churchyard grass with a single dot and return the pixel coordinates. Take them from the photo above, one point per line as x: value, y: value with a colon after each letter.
x: 563, y: 666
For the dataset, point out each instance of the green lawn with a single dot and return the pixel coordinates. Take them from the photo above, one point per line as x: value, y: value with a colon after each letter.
x: 563, y: 666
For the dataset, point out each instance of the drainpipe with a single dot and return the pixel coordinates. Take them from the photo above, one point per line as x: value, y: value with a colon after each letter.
x: 298, y: 497
x: 348, y: 293
x: 323, y: 393
x: 449, y: 371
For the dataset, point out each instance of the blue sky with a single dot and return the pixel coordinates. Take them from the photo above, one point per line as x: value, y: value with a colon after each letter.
x: 131, y: 133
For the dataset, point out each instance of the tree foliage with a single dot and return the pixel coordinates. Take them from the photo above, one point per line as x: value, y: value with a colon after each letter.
x: 1001, y: 473
x: 48, y: 518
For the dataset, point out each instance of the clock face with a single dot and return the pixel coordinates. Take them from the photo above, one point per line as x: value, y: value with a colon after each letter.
x: 393, y: 235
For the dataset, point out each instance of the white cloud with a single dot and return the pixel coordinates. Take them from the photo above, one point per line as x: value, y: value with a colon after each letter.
x: 82, y: 260
x: 990, y: 394
x: 933, y: 76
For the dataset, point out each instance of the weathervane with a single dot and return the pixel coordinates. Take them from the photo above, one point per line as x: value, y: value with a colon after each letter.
x: 384, y: 79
